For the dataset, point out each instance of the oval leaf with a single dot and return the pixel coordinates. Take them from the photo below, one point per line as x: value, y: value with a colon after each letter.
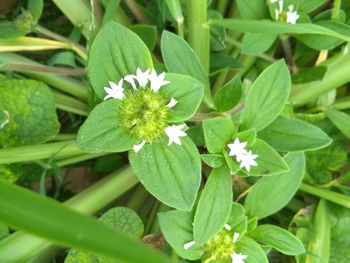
x: 341, y: 120
x: 170, y: 173
x: 278, y: 238
x: 291, y: 135
x: 267, y: 97
x: 272, y: 193
x: 101, y: 132
x: 188, y: 93
x: 252, y: 250
x: 115, y: 53
x: 214, y: 205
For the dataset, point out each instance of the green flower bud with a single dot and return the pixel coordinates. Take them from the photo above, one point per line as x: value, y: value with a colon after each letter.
x: 25, y: 21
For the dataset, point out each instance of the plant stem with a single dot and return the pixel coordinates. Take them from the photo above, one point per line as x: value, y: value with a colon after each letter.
x: 336, y: 10
x: 80, y: 50
x: 80, y: 158
x: 288, y: 53
x: 65, y: 84
x: 22, y: 247
x: 334, y: 197
x: 342, y: 103
x: 338, y: 74
x: 47, y: 69
x: 134, y: 8
x: 67, y: 103
x: 38, y: 152
x: 198, y: 30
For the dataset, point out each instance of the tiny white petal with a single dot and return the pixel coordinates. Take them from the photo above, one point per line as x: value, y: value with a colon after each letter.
x: 277, y: 14
x: 248, y: 160
x: 115, y: 91
x: 238, y: 258
x: 237, y: 149
x: 174, y: 133
x: 235, y: 237
x: 131, y: 80
x: 292, y: 17
x: 142, y: 77
x: 189, y: 244
x: 227, y: 227
x: 280, y: 4
x: 172, y: 103
x: 273, y: 1
x: 138, y: 147
x: 157, y: 81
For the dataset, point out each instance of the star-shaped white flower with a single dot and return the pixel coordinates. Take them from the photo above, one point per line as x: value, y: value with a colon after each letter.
x: 238, y: 258
x: 237, y: 149
x: 142, y: 77
x: 116, y: 91
x: 172, y: 103
x: 248, y: 160
x: 227, y: 227
x: 174, y: 133
x: 157, y: 81
x: 292, y: 17
x: 189, y: 245
x: 138, y: 147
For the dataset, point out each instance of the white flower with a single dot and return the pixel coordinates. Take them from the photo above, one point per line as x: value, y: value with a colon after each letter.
x: 235, y: 237
x: 248, y: 160
x: 172, y: 103
x: 138, y: 147
x: 237, y: 149
x: 174, y: 133
x: 238, y: 258
x: 131, y: 79
x: 189, y: 244
x: 292, y: 17
x: 141, y: 77
x: 227, y: 227
x: 157, y: 81
x: 273, y: 1
x: 278, y: 11
x: 116, y: 91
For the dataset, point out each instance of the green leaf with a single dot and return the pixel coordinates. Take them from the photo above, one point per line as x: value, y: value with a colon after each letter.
x: 180, y: 58
x: 176, y: 227
x: 27, y: 113
x: 172, y: 173
x: 115, y: 53
x: 248, y: 136
x: 23, y: 209
x: 147, y: 33
x: 9, y: 30
x: 187, y: 91
x: 217, y: 133
x: 341, y: 120
x: 269, y: 161
x: 322, y: 42
x: 268, y: 26
x: 291, y: 135
x: 222, y: 61
x: 123, y: 220
x: 101, y: 132
x: 257, y: 43
x: 237, y: 219
x: 120, y: 219
x: 279, y: 239
x: 4, y: 231
x: 229, y: 95
x: 267, y: 97
x: 213, y: 160
x: 253, y: 250
x: 36, y: 8
x: 252, y: 9
x: 309, y: 74
x: 272, y: 193
x: 310, y: 5
x: 214, y: 206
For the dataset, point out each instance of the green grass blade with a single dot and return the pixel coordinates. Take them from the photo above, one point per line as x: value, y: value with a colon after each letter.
x: 47, y: 218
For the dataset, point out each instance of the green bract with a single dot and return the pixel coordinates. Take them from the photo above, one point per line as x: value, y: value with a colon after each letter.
x: 140, y: 117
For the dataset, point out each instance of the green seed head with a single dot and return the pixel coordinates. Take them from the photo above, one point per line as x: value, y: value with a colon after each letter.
x: 220, y: 247
x: 144, y: 114
x: 25, y: 21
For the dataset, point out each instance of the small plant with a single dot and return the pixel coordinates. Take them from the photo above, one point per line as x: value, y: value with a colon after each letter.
x: 213, y: 131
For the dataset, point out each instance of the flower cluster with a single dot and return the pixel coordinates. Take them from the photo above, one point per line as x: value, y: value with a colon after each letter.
x: 144, y: 111
x: 244, y: 157
x: 221, y: 247
x: 288, y: 16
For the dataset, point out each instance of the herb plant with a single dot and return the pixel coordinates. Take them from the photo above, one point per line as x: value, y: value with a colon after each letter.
x: 212, y: 131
